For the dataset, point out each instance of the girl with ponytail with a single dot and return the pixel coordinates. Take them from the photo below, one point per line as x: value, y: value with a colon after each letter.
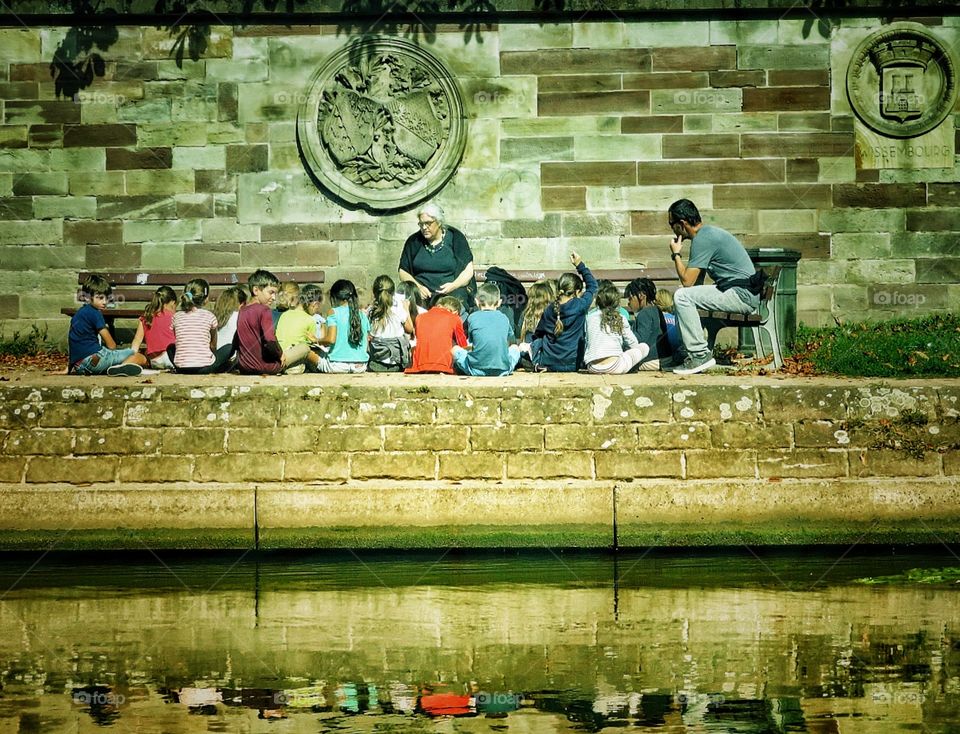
x: 155, y: 328
x: 195, y: 329
x: 347, y: 331
x: 390, y: 322
x: 557, y: 343
x: 611, y: 347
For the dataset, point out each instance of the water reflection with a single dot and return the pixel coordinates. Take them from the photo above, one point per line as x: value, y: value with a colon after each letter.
x: 726, y: 642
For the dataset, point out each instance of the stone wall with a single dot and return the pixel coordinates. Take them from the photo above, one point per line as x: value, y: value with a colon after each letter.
x: 421, y: 462
x: 579, y: 135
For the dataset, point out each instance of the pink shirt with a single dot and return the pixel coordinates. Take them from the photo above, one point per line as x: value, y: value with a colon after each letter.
x: 192, y: 330
x: 158, y: 335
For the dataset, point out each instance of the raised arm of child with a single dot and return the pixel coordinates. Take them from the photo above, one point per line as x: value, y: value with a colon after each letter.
x: 138, y: 337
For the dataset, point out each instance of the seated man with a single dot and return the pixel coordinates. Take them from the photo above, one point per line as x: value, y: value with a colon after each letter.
x: 725, y: 260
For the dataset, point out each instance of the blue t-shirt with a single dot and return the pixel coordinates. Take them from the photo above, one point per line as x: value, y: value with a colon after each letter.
x: 341, y: 351
x: 489, y: 332
x: 84, y: 335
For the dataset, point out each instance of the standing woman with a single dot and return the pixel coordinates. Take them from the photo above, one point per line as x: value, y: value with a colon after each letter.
x: 438, y: 260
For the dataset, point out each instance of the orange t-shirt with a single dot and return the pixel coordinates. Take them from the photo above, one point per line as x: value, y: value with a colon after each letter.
x: 437, y: 331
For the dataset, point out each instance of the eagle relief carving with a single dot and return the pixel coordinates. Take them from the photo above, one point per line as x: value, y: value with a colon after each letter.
x: 383, y: 125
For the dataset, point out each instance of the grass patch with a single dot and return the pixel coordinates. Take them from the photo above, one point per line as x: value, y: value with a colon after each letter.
x: 35, y: 342
x: 922, y: 347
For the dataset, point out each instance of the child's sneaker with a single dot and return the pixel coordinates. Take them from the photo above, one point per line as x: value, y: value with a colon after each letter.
x: 125, y: 370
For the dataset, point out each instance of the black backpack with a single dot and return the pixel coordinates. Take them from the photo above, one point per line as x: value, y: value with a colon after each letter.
x: 512, y: 294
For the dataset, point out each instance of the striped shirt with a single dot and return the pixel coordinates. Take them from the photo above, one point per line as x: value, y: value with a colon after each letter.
x: 192, y: 329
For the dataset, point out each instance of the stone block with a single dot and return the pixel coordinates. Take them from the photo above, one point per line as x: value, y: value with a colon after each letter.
x: 795, y: 145
x: 194, y: 441
x: 510, y: 437
x: 674, y: 436
x: 790, y: 405
x: 32, y: 112
x: 143, y: 158
x: 525, y: 411
x: 856, y: 246
x: 652, y: 124
x: 534, y: 150
x: 639, y: 465
x: 743, y: 32
x: 110, y: 136
x: 592, y: 103
x: 227, y: 411
x: 688, y: 101
x: 803, y: 170
x: 60, y: 207
x: 20, y: 45
x: 531, y: 36
x: 590, y: 438
x: 735, y: 434
x: 588, y: 174
x: 720, y: 79
x: 214, y: 182
x: 12, y: 469
x: 19, y: 257
x: 105, y: 257
x: 879, y: 195
x: 667, y: 80
x: 718, y: 463
x: 944, y: 194
x: 563, y: 198
x: 664, y: 33
x: 544, y: 465
x: 425, y: 438
x: 951, y: 463
x: 56, y: 442
x: 156, y: 183
x: 216, y: 255
x: 104, y: 184
x: 32, y: 233
x: 705, y: 58
x: 17, y: 208
x: 318, y: 231
x: 147, y: 469
x: 616, y: 147
x: 240, y: 468
x: 548, y: 226
x: 472, y: 466
x: 579, y: 83
x: 716, y: 402
x: 603, y: 34
x: 126, y: 441
x: 787, y: 220
x: 316, y: 467
x: 775, y: 56
x: 826, y: 434
x: 647, y: 197
x: 802, y: 463
x: 247, y: 158
x: 40, y: 184
x: 575, y: 61
x: 77, y: 159
x: 701, y: 146
x: 891, y: 463
x: 773, y: 196
x: 14, y: 136
x: 165, y: 230
x: 159, y: 415
x: 194, y: 206
x: 72, y: 470
x: 886, y: 403
x: 500, y: 97
x: 161, y: 256
x: 793, y: 99
x: 923, y: 220
x: 136, y: 207
x: 399, y: 465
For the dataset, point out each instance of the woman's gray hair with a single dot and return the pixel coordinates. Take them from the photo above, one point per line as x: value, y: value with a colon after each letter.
x: 432, y: 209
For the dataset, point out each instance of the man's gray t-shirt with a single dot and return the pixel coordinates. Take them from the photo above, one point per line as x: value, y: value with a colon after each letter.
x: 723, y: 257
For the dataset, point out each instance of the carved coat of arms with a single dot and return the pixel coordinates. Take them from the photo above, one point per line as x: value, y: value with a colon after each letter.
x: 383, y: 125
x: 902, y: 82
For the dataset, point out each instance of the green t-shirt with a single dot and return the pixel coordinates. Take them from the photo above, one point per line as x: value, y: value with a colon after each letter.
x: 294, y: 327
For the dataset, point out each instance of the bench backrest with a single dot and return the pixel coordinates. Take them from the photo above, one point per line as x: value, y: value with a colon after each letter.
x: 617, y: 275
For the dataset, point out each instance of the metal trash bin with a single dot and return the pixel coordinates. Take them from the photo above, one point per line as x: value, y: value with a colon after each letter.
x: 785, y: 300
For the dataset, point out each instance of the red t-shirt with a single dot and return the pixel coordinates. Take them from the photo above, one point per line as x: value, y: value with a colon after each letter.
x: 437, y: 331
x: 259, y: 352
x: 159, y: 334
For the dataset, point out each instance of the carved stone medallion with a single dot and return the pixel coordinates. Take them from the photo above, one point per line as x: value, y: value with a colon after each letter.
x: 902, y: 82
x: 382, y: 127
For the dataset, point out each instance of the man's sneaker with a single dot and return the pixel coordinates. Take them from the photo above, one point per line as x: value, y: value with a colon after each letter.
x: 693, y: 365
x: 125, y: 370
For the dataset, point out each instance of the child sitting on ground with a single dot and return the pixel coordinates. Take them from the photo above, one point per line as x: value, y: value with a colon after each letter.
x: 648, y: 324
x: 92, y: 348
x: 611, y: 348
x: 155, y: 327
x: 259, y: 352
x: 490, y: 333
x: 297, y: 330
x: 664, y: 301
x: 437, y: 331
x: 347, y: 332
x: 390, y: 323
x: 557, y: 343
x: 195, y: 329
x: 288, y: 294
x: 227, y: 309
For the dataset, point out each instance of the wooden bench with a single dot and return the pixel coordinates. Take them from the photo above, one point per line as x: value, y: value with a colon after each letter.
x: 133, y: 291
x: 761, y: 323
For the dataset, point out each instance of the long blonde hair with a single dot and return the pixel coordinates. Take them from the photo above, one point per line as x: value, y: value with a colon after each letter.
x: 228, y: 302
x: 540, y: 295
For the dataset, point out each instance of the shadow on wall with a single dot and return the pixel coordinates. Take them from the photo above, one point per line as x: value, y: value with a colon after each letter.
x: 77, y: 61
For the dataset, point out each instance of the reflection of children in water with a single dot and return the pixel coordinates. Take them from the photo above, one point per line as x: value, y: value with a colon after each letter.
x: 103, y: 703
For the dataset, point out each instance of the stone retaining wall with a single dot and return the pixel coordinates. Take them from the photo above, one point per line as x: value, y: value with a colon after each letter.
x: 420, y: 462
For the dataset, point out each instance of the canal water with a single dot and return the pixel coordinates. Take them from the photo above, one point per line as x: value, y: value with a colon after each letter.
x: 746, y: 640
